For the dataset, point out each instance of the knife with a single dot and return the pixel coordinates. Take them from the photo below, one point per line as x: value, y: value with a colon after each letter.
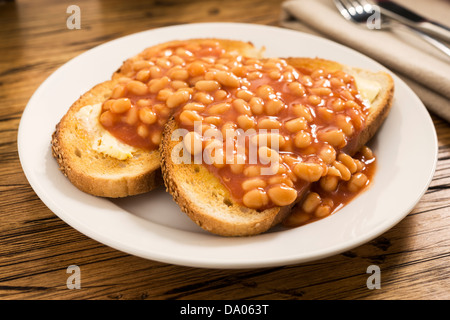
x: 413, y: 19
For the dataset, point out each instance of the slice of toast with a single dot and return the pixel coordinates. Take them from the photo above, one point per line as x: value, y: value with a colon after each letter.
x: 202, y: 196
x: 78, y: 147
x: 379, y: 106
x: 207, y: 201
x: 92, y: 171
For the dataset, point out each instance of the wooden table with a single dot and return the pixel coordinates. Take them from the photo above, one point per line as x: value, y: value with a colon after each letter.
x: 36, y: 247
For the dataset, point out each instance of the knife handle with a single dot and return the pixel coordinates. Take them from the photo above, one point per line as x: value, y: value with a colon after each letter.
x: 438, y: 30
x: 432, y: 41
x: 414, y: 20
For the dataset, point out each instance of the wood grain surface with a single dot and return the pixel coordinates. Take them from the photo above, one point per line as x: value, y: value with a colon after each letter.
x: 36, y: 247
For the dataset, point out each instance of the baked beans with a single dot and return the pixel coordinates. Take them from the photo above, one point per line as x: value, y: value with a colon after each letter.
x: 253, y: 184
x: 246, y: 122
x: 311, y: 202
x: 269, y: 123
x: 118, y: 92
x: 255, y: 199
x: 256, y: 105
x: 308, y: 117
x: 227, y: 79
x: 147, y: 116
x: 282, y: 195
x: 333, y: 191
x: 120, y: 105
x: 193, y: 143
x: 308, y: 171
x: 357, y: 182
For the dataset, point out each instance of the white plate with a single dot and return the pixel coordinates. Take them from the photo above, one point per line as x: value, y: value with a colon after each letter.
x: 153, y: 227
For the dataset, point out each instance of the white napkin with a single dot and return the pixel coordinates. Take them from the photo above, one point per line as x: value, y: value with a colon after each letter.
x: 425, y: 69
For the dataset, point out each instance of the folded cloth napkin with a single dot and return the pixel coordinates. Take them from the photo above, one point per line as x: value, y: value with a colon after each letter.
x: 425, y: 69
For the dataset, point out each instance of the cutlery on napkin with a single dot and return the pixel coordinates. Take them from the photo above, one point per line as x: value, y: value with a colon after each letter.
x: 422, y: 67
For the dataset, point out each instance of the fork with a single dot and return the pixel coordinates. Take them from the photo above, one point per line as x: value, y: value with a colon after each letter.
x: 362, y: 12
